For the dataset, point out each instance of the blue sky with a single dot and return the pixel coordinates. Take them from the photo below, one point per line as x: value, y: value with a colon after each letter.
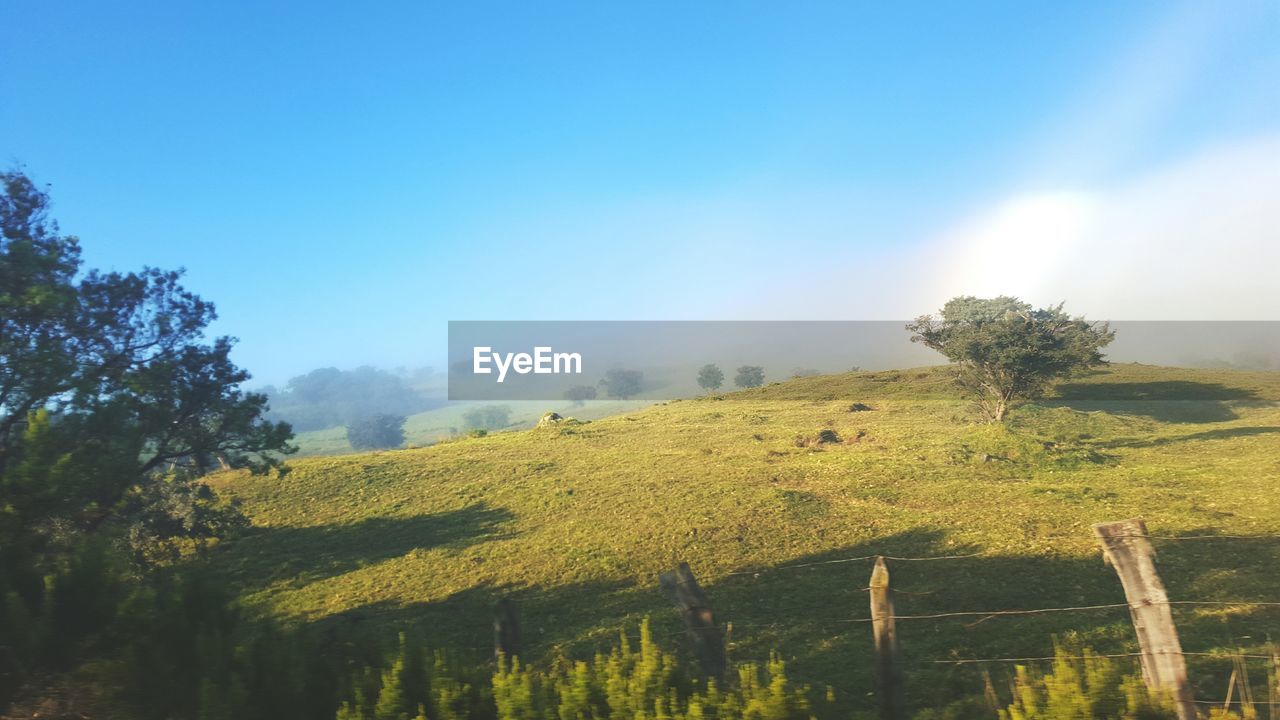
x: 342, y: 179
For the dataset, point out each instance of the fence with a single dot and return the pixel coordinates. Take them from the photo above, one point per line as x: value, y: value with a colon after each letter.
x: 1126, y: 547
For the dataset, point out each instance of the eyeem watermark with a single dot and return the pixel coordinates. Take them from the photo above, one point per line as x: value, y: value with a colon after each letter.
x: 543, y: 361
x: 652, y: 360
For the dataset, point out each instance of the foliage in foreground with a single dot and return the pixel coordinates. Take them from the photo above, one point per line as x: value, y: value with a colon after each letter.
x: 114, y: 404
x: 1083, y: 686
x: 630, y: 681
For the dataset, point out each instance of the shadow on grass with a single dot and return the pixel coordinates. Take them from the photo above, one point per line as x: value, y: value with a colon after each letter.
x: 302, y: 555
x: 816, y: 615
x: 1222, y: 434
x: 1166, y: 400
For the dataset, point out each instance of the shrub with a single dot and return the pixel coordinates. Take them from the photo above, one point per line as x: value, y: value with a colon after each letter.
x: 1082, y: 685
x: 644, y: 681
x: 824, y: 437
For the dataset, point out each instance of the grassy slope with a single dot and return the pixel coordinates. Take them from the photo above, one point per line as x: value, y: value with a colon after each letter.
x: 432, y: 426
x: 577, y: 522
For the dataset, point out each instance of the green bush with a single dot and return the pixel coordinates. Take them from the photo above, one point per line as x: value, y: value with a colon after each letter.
x: 644, y: 682
x: 1083, y: 686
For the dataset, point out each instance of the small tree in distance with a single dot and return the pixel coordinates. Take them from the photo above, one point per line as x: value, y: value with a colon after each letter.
x: 749, y: 376
x: 376, y: 432
x: 579, y: 394
x: 710, y: 377
x: 487, y: 417
x: 622, y: 384
x: 1007, y: 352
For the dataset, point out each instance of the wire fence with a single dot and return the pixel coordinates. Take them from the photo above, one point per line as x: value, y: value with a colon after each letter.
x: 989, y: 614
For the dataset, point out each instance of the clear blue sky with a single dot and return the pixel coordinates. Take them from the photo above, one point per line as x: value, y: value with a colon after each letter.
x: 342, y: 179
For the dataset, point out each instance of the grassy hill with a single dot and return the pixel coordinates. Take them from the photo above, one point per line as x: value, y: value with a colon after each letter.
x: 443, y: 423
x: 575, y: 523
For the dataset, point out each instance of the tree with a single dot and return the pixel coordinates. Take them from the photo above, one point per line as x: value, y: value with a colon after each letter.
x: 1008, y: 353
x: 579, y: 394
x: 710, y: 377
x: 487, y: 417
x: 749, y: 376
x: 329, y: 397
x: 117, y: 363
x: 622, y: 384
x: 376, y: 432
x: 112, y: 405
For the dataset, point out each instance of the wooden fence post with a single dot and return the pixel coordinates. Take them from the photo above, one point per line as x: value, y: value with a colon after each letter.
x: 506, y: 629
x: 890, y: 684
x: 682, y: 590
x: 1125, y: 547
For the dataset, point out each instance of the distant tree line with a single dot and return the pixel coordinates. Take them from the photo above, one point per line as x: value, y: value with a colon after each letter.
x: 711, y: 377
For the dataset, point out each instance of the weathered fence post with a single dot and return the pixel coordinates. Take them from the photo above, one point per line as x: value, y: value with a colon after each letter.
x: 890, y: 684
x: 506, y: 629
x: 682, y: 590
x: 1125, y: 547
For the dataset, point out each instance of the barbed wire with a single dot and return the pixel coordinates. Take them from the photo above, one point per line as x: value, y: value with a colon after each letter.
x: 862, y: 558
x: 1221, y: 656
x: 1202, y: 537
x: 986, y: 614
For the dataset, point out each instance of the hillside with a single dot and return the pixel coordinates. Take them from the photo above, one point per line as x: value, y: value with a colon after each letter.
x: 575, y: 522
x: 442, y: 423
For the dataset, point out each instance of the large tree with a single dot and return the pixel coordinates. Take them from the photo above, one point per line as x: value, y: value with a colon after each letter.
x: 1008, y: 352
x: 110, y: 394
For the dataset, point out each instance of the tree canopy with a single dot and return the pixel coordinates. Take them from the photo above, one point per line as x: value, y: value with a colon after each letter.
x: 749, y: 376
x: 487, y: 417
x: 622, y: 384
x: 1006, y: 351
x: 376, y: 432
x: 107, y: 383
x: 710, y: 377
x: 329, y: 397
x: 579, y: 394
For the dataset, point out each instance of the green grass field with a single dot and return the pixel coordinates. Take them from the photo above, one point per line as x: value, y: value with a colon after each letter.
x: 575, y: 523
x: 443, y: 423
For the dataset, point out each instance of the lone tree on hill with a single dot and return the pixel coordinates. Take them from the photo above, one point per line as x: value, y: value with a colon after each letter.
x: 710, y: 377
x: 749, y: 376
x: 376, y: 432
x: 1007, y: 352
